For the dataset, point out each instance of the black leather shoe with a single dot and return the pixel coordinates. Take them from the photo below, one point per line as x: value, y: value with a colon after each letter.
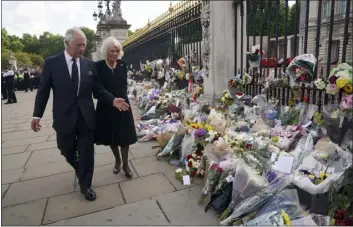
x: 128, y: 172
x: 89, y: 193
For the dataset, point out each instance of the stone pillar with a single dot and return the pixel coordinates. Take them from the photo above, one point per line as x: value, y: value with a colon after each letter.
x: 222, y: 46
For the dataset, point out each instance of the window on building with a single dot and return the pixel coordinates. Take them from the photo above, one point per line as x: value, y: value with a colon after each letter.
x: 326, y: 9
x: 335, y: 48
x: 342, y: 6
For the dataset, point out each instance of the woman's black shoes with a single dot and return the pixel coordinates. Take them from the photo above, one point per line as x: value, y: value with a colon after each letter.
x: 128, y: 172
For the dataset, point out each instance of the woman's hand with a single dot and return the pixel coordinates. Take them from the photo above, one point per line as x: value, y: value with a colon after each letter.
x: 120, y: 104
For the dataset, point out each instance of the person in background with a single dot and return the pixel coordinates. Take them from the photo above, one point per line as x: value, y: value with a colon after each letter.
x: 10, y: 85
x: 3, y: 87
x: 115, y: 128
x: 27, y: 80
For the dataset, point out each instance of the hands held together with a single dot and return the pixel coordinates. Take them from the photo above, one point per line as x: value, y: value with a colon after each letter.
x: 120, y: 104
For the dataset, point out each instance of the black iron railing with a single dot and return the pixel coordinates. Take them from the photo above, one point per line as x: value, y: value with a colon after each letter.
x: 280, y: 21
x: 179, y: 35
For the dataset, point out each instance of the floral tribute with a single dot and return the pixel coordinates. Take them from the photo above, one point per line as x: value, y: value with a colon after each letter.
x: 340, y: 79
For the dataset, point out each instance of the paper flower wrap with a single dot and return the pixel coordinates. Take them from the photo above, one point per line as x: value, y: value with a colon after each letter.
x: 340, y: 78
x: 301, y: 68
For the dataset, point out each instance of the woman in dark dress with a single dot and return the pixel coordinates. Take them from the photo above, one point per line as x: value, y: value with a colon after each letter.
x: 114, y: 128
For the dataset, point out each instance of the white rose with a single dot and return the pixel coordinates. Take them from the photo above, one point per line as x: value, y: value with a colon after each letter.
x: 193, y: 155
x: 179, y: 170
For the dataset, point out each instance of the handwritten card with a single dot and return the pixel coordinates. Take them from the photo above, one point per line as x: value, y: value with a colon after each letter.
x: 283, y: 164
x: 186, y: 180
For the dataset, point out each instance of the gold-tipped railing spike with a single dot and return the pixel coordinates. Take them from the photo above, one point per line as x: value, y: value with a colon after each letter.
x: 171, y: 13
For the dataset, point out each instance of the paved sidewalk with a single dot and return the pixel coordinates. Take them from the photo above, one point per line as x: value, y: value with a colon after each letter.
x: 38, y: 184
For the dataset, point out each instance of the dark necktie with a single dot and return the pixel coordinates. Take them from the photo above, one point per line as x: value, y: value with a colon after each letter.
x: 74, y: 75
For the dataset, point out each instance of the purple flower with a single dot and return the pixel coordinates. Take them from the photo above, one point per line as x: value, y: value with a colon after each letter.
x: 200, y: 133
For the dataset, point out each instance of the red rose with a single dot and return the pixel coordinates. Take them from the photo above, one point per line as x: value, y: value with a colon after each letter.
x: 188, y: 157
x: 248, y: 146
x: 239, y: 93
x: 193, y: 173
x: 189, y: 164
x: 302, y: 77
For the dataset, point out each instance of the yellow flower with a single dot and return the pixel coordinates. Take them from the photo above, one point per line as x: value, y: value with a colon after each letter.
x: 323, y: 175
x: 196, y: 126
x: 348, y: 88
x: 275, y: 139
x: 286, y: 218
x: 208, y: 127
x: 341, y: 82
x: 311, y: 176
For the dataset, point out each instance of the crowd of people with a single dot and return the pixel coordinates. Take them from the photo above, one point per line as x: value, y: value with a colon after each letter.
x: 16, y: 80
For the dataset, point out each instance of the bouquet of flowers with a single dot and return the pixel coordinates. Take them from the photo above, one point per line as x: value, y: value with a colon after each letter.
x: 336, y: 122
x: 280, y: 81
x: 257, y: 199
x: 290, y: 114
x: 213, y: 177
x: 340, y: 78
x: 270, y: 113
x: 254, y: 57
x: 273, y: 218
x: 193, y: 163
x: 301, y: 68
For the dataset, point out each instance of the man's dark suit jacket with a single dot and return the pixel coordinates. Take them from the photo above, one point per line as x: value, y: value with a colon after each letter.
x: 56, y: 75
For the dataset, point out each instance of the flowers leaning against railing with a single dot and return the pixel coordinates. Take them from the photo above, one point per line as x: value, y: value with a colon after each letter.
x: 254, y: 57
x: 340, y: 78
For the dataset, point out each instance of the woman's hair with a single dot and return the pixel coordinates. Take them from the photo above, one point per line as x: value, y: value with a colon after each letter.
x: 109, y: 43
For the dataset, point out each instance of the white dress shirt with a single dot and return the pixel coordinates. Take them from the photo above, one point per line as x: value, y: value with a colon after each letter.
x: 9, y: 73
x: 69, y: 63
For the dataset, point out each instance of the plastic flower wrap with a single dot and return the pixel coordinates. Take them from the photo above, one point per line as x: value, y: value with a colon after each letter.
x: 217, y: 121
x: 340, y: 78
x: 336, y: 122
x: 301, y: 68
x: 187, y: 146
x: 273, y: 218
x: 254, y: 57
x: 257, y: 199
x: 316, y: 177
x: 213, y: 177
x: 346, y: 105
x: 270, y: 112
x: 290, y: 115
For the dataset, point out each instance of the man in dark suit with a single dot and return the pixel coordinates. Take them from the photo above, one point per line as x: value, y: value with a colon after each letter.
x: 73, y: 80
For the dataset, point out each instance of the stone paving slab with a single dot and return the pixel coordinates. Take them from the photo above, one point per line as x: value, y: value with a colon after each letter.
x: 25, y: 135
x: 45, y: 187
x: 145, y: 187
x: 24, y: 214
x: 182, y: 208
x: 42, y: 146
x: 106, y: 158
x: 13, y: 150
x: 144, y: 212
x: 144, y: 149
x: 14, y: 143
x: 14, y: 161
x: 45, y: 156
x: 74, y: 204
x: 11, y: 176
x: 46, y: 169
x: 4, y: 188
x: 150, y: 165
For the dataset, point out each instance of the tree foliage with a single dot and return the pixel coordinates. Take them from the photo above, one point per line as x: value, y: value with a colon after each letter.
x: 269, y: 19
x: 30, y: 50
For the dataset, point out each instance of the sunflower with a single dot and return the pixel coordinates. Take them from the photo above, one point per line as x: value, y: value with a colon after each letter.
x: 348, y: 88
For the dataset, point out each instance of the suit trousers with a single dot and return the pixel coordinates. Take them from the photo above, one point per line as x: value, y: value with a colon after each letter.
x: 78, y: 149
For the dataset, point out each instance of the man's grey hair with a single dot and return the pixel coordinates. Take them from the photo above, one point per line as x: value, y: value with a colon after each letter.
x: 69, y: 35
x: 109, y: 43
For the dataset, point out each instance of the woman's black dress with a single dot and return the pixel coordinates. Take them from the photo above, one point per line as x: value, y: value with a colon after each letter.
x: 114, y: 127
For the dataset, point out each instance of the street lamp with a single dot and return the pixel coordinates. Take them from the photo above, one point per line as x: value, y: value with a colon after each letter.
x: 100, y: 10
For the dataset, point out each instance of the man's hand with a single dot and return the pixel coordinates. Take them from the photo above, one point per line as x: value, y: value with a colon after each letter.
x: 35, y: 125
x: 120, y: 104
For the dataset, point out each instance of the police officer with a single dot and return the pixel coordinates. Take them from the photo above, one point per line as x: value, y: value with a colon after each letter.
x: 10, y: 85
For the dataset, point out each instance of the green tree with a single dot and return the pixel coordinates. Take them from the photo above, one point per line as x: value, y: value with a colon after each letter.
x: 5, y: 41
x: 129, y: 33
x: 31, y: 43
x: 16, y: 46
x: 90, y: 41
x: 50, y: 44
x: 23, y: 59
x: 36, y: 59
